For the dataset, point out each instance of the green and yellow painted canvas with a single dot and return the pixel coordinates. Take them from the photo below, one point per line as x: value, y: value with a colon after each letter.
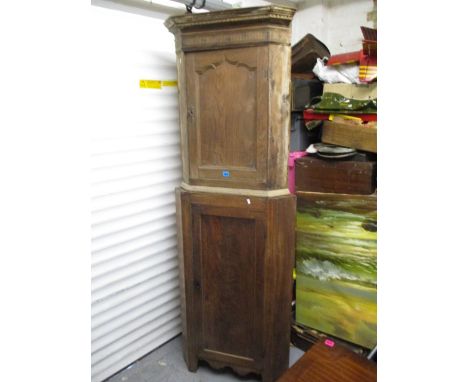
x: 336, y: 265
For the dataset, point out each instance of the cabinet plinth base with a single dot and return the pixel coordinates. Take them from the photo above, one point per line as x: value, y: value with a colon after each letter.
x: 265, y: 376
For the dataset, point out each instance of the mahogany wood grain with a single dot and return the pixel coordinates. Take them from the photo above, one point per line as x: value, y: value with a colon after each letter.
x: 331, y: 364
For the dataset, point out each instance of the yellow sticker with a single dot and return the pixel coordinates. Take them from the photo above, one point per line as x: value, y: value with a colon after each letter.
x: 150, y: 84
x: 156, y: 84
x: 169, y: 83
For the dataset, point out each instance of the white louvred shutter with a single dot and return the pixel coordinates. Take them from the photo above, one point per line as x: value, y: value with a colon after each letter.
x: 135, y: 167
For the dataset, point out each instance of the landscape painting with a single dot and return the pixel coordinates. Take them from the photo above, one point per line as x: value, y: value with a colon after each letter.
x: 336, y: 265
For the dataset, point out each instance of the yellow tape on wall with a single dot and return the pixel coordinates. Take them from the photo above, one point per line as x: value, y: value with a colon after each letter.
x: 156, y: 84
x: 169, y: 83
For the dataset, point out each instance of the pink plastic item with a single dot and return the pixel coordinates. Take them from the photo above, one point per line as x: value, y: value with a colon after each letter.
x: 291, y: 173
x: 329, y: 343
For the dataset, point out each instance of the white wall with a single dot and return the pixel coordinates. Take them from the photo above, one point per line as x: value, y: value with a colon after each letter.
x: 334, y: 22
x: 135, y: 167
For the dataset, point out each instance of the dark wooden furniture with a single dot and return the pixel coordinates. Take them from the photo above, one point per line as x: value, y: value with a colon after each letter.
x: 305, y: 53
x: 237, y: 253
x: 336, y: 176
x: 236, y: 217
x: 331, y: 364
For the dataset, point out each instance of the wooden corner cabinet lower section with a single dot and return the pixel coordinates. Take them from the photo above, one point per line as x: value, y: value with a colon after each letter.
x: 236, y: 259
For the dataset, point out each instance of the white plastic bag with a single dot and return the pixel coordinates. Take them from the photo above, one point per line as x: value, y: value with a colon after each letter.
x: 346, y: 73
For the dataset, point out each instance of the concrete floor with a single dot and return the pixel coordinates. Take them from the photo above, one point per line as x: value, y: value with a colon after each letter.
x: 166, y: 364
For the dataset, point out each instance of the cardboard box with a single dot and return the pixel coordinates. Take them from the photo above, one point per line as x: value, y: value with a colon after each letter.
x: 349, y: 134
x: 353, y: 91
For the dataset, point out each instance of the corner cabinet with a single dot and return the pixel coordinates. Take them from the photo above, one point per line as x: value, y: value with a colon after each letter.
x: 235, y: 215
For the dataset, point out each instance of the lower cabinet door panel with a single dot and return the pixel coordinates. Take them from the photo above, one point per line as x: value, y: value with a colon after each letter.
x: 236, y: 256
x: 228, y: 254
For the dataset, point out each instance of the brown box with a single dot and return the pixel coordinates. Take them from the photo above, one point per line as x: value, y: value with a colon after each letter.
x: 336, y: 176
x: 353, y: 91
x: 361, y: 137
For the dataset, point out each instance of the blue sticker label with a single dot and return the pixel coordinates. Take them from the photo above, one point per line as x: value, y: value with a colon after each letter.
x: 226, y: 174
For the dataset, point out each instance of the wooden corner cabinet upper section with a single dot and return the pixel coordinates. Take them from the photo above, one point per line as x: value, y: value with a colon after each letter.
x: 233, y: 77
